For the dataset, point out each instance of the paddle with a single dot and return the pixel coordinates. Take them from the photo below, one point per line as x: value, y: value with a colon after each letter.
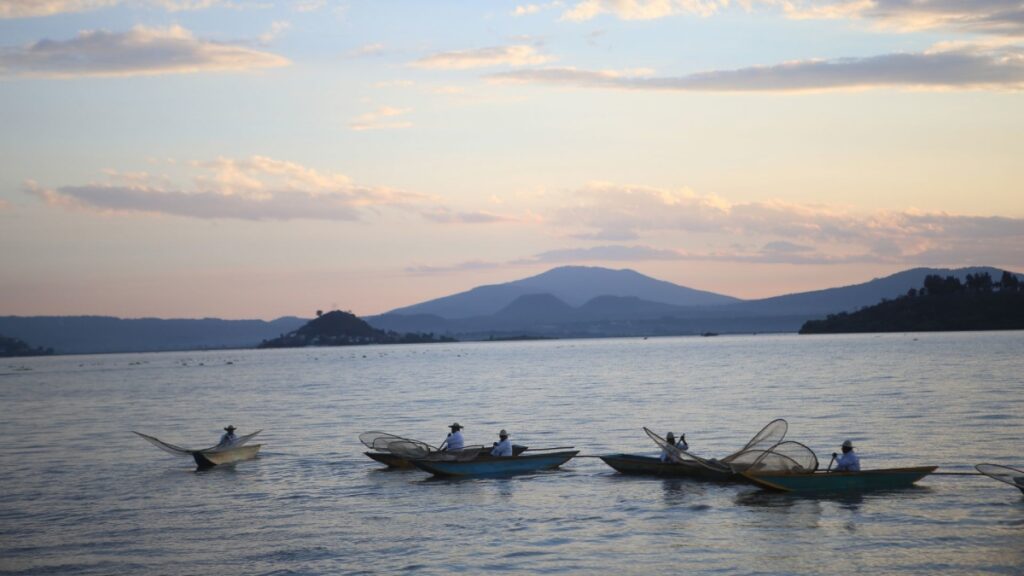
x: 829, y: 469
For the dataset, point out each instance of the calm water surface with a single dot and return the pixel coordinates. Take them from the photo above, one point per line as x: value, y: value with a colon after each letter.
x: 79, y: 494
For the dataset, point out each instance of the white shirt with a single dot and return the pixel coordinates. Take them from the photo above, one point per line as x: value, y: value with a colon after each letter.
x: 454, y: 442
x: 848, y: 462
x: 227, y: 439
x: 503, y: 448
x: 682, y: 445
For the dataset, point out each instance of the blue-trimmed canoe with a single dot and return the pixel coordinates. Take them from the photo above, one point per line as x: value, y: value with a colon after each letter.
x: 487, y: 465
x: 635, y: 464
x: 881, y: 479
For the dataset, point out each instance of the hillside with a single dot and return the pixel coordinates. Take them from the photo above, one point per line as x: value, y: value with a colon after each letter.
x: 941, y: 304
x: 339, y: 328
x: 574, y: 285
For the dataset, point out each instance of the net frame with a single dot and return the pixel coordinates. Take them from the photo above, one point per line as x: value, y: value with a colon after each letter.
x: 1005, y: 474
x: 183, y: 451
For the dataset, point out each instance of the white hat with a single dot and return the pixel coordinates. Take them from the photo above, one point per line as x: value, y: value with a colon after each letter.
x: 503, y: 432
x: 847, y: 444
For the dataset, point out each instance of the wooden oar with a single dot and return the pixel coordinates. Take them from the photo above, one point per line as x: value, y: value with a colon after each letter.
x: 549, y: 449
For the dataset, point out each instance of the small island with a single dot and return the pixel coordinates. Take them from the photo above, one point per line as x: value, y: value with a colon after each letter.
x: 339, y: 328
x: 13, y: 347
x: 942, y: 304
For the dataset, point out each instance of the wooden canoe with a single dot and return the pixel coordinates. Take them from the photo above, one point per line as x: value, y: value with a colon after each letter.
x: 216, y: 457
x: 395, y: 461
x: 653, y: 466
x: 487, y: 465
x: 881, y: 479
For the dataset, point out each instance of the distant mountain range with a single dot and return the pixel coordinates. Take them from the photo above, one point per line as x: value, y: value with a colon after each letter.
x: 102, y: 334
x: 571, y: 301
x: 578, y: 301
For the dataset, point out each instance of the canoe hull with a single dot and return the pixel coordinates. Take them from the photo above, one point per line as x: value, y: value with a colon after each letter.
x: 394, y: 461
x: 211, y: 458
x: 390, y: 460
x: 650, y: 466
x: 882, y: 479
x: 490, y: 466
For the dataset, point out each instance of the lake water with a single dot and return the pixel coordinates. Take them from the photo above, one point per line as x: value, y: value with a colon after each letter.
x: 80, y: 494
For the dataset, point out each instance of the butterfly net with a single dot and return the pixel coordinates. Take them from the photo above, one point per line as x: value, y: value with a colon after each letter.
x: 384, y: 442
x: 182, y: 451
x: 1011, y: 476
x: 785, y: 457
x: 769, y: 436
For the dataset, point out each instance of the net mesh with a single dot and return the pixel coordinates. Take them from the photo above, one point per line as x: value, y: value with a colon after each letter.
x: 769, y: 436
x: 383, y: 442
x: 785, y: 457
x: 182, y: 451
x: 410, y: 449
x: 1011, y: 476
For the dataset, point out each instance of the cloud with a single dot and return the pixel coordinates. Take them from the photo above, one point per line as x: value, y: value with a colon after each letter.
x: 381, y: 119
x: 36, y: 8
x: 257, y: 188
x: 945, y: 67
x: 995, y: 17
x: 777, y: 231
x: 277, y: 28
x: 611, y: 253
x: 140, y: 52
x: 445, y: 216
x: 39, y: 8
x: 367, y: 50
x: 641, y: 9
x: 514, y: 55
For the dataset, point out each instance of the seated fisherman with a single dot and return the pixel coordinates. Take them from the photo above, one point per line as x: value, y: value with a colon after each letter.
x: 454, y: 441
x: 228, y: 437
x: 671, y: 439
x: 848, y: 462
x: 503, y: 448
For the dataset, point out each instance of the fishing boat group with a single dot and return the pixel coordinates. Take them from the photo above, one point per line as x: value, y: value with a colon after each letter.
x: 768, y: 461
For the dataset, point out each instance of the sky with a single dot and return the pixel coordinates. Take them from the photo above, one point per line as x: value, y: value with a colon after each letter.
x: 255, y: 159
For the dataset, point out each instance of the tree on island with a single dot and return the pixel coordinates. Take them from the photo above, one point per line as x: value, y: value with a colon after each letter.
x: 941, y: 304
x: 338, y: 328
x: 11, y: 347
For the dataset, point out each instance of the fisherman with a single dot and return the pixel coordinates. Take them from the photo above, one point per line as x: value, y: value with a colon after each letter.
x: 503, y: 448
x: 228, y: 438
x: 671, y: 439
x: 454, y: 441
x: 848, y: 462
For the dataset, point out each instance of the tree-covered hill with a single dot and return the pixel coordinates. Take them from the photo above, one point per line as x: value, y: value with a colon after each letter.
x: 339, y: 328
x: 942, y: 304
x: 10, y: 347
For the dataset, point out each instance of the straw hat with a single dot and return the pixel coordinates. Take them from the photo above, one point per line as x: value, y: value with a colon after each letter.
x: 230, y: 428
x: 503, y: 433
x: 847, y: 444
x: 456, y: 426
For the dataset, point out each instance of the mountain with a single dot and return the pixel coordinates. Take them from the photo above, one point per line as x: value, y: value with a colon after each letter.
x: 102, y: 334
x: 850, y: 298
x: 574, y: 285
x: 588, y: 312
